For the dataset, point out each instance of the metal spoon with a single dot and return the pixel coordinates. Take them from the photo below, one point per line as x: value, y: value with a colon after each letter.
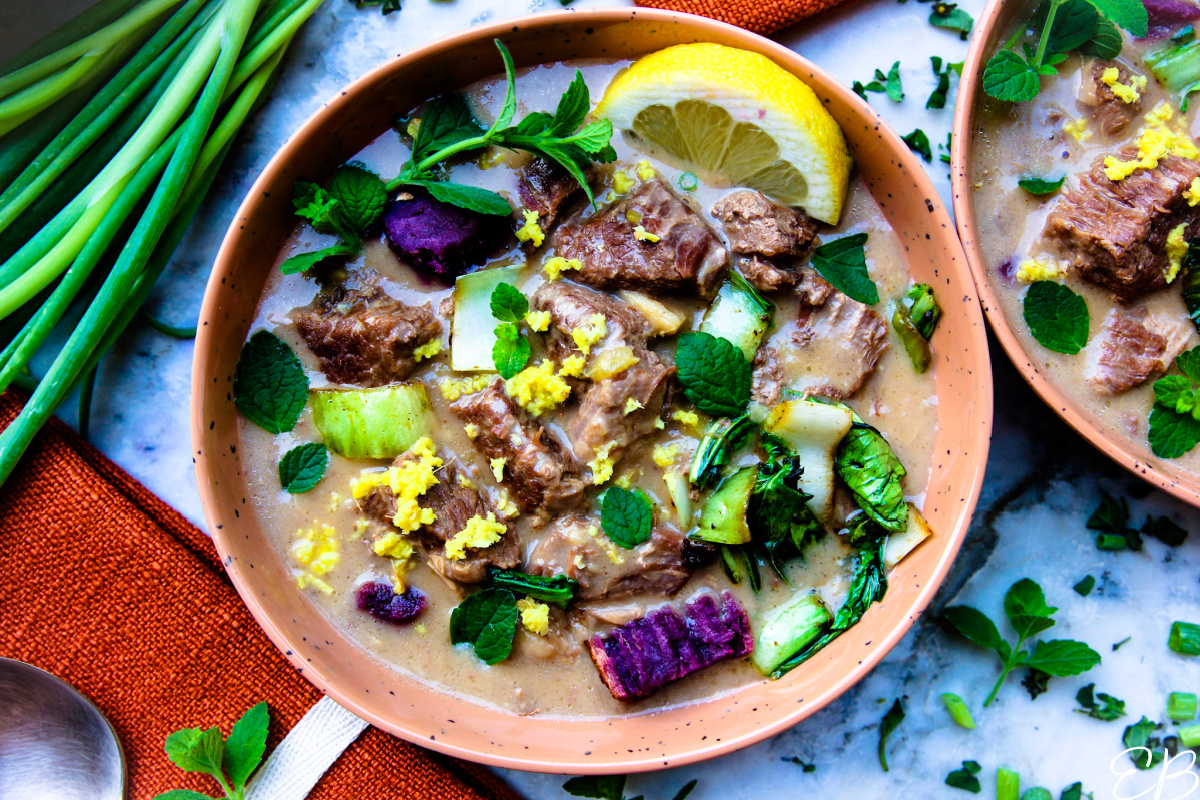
x: 53, y: 742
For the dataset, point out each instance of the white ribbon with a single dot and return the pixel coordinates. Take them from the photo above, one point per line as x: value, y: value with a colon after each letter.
x: 309, y: 749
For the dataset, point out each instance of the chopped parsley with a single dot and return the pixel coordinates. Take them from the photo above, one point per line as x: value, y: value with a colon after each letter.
x: 487, y: 620
x: 303, y: 467
x: 270, y: 387
x: 612, y: 787
x: 843, y: 262
x: 1057, y: 317
x: 937, y: 99
x: 891, y: 720
x: 714, y: 373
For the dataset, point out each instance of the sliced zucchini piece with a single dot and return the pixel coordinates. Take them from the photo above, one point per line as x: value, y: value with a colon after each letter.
x: 787, y: 629
x: 723, y: 518
x: 899, y: 545
x: 739, y: 314
x: 473, y: 329
x: 677, y: 487
x: 371, y: 423
x: 813, y: 431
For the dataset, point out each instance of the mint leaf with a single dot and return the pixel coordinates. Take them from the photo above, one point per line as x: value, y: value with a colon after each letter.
x: 964, y: 778
x: 446, y: 120
x: 1112, y: 515
x: 843, y: 262
x: 302, y: 467
x: 1129, y: 14
x: 360, y: 196
x: 870, y: 469
x: 714, y: 373
x: 487, y: 621
x: 246, y: 743
x: 891, y: 720
x: 1009, y: 77
x: 508, y: 304
x: 1062, y: 658
x: 1106, y: 42
x: 1172, y: 434
x: 1072, y: 792
x: 181, y: 794
x: 1057, y: 317
x: 918, y: 142
x: 1109, y: 709
x: 975, y: 627
x: 950, y: 16
x: 1025, y: 606
x: 1189, y: 363
x: 599, y: 787
x: 1177, y: 393
x: 685, y: 790
x: 471, y: 198
x: 892, y: 85
x: 510, y: 353
x: 573, y: 106
x: 937, y: 99
x: 1165, y: 530
x: 1147, y: 748
x: 314, y: 204
x: 1074, y: 24
x: 1041, y: 185
x: 509, y: 109
x: 194, y: 750
x: 626, y: 517
x: 270, y: 387
x: 302, y: 262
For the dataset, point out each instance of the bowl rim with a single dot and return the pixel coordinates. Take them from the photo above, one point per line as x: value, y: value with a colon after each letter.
x: 977, y: 438
x: 1158, y: 472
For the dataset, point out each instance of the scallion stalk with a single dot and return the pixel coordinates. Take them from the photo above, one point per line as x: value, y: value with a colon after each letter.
x: 1185, y: 638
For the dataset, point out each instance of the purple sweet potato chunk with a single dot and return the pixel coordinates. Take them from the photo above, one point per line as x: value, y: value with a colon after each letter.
x: 1167, y: 15
x: 639, y: 657
x: 440, y: 238
x: 378, y: 600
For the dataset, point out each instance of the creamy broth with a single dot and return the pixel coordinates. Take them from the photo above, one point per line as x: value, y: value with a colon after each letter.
x: 1011, y: 141
x: 554, y: 675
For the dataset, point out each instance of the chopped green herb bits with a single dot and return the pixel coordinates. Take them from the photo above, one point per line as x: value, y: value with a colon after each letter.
x: 1145, y: 749
x: 1008, y: 784
x: 1181, y: 706
x: 1041, y: 185
x: 918, y: 142
x: 1118, y: 645
x: 1185, y: 638
x: 688, y: 181
x: 958, y: 710
x: 964, y: 777
x: 1072, y: 792
x: 1085, y: 586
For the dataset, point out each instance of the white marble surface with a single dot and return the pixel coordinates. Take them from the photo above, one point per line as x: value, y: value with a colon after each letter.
x: 1042, y: 479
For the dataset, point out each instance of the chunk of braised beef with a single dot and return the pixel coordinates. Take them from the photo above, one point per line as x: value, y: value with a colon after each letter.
x: 576, y: 547
x: 544, y: 187
x: 362, y: 336
x: 607, y: 419
x: 1110, y: 113
x: 1133, y: 346
x: 812, y: 290
x: 697, y: 554
x: 757, y: 225
x: 441, y: 239
x: 542, y: 476
x: 571, y: 306
x: 642, y: 656
x: 686, y: 256
x: 765, y: 275
x: 380, y: 601
x: 766, y: 383
x: 1114, y: 232
x: 849, y: 337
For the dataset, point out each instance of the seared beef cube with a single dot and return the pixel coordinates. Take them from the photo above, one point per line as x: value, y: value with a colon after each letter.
x: 542, y: 476
x: 544, y: 187
x: 764, y: 275
x: 638, y: 658
x: 766, y: 383
x: 812, y: 290
x: 577, y: 547
x: 1110, y: 112
x: 850, y: 338
x: 439, y: 238
x: 755, y: 225
x: 1114, y: 232
x: 571, y: 306
x: 687, y: 255
x: 606, y: 418
x: 363, y: 336
x: 1134, y: 346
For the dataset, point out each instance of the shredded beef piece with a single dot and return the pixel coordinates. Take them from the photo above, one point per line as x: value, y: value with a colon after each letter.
x: 542, y: 476
x: 602, y: 416
x: 688, y: 256
x: 766, y: 385
x: 755, y: 225
x: 544, y: 187
x: 1114, y: 232
x: 764, y: 275
x: 571, y: 305
x: 812, y: 290
x: 853, y: 338
x: 363, y: 336
x: 576, y: 547
x: 1133, y: 346
x: 1110, y: 113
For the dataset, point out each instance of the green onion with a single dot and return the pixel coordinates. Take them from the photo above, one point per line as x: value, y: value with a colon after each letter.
x: 1110, y: 541
x: 166, y: 329
x: 1189, y: 736
x: 1037, y: 793
x: 1181, y: 706
x: 1185, y: 638
x: 958, y: 710
x: 1008, y: 784
x: 688, y: 181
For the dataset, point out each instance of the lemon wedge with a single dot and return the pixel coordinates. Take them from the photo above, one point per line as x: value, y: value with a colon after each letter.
x: 737, y: 115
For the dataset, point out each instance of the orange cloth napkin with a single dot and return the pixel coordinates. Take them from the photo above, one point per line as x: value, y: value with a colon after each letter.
x: 116, y: 593
x: 754, y: 15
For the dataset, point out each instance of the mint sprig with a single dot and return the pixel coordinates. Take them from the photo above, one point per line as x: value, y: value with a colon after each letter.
x: 626, y: 516
x: 891, y: 721
x: 714, y: 373
x: 348, y: 206
x: 1057, y: 317
x: 964, y: 777
x: 270, y: 387
x: 1175, y: 417
x: 918, y: 142
x: 302, y: 467
x: 230, y: 762
x: 511, y: 351
x: 843, y: 262
x: 487, y: 621
x: 889, y: 83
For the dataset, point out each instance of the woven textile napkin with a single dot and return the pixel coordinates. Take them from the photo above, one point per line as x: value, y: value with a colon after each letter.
x: 116, y: 593
x: 754, y: 15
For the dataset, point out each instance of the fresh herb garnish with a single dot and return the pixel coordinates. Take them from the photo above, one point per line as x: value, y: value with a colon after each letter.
x: 714, y: 373
x: 1111, y: 519
x: 302, y: 467
x: 891, y: 720
x: 964, y: 777
x: 959, y: 712
x: 1175, y: 418
x: 889, y: 83
x: 1041, y: 185
x: 779, y: 514
x: 870, y: 469
x: 1057, y: 317
x: 806, y: 766
x: 626, y: 516
x: 230, y: 762
x: 385, y: 6
x: 508, y: 304
x: 511, y: 351
x: 1085, y: 586
x: 937, y: 99
x: 918, y: 142
x: 689, y: 182
x: 1165, y: 529
x: 1072, y: 792
x: 1027, y: 612
x: 843, y: 262
x: 1036, y: 682
x: 612, y: 787
x: 487, y: 621
x: 558, y: 589
x: 1109, y: 708
x: 1146, y: 748
x: 270, y: 387
x: 945, y: 157
x: 348, y: 207
x: 950, y: 16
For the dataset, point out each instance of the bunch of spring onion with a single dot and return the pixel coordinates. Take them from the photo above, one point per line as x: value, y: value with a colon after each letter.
x: 112, y: 129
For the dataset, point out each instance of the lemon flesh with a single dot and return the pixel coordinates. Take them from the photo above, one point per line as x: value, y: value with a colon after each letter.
x: 738, y: 115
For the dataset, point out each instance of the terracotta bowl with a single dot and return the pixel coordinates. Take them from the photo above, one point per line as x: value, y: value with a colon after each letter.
x: 650, y: 740
x: 1132, y: 454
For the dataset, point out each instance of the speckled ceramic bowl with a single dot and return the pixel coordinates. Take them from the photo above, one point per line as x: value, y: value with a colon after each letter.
x: 647, y: 741
x: 1131, y: 453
